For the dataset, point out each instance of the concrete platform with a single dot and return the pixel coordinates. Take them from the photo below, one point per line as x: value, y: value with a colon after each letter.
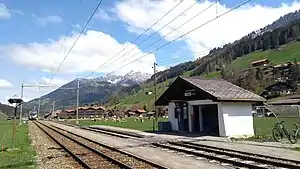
x: 170, y: 160
x: 270, y: 151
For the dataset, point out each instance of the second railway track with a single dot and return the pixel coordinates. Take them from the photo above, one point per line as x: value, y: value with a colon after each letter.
x: 115, y: 133
x: 230, y: 157
x: 92, y: 154
x: 226, y: 157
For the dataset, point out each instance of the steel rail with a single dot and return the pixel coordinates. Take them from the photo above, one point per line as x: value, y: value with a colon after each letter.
x: 158, y: 166
x: 247, y: 156
x: 117, y: 162
x: 211, y: 157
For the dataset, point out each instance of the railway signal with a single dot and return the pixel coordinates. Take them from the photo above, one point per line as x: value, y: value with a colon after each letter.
x: 17, y: 101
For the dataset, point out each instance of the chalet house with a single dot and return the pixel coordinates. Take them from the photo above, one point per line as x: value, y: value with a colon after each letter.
x: 283, y: 66
x: 90, y: 111
x: 277, y: 89
x: 263, y: 62
x: 129, y: 113
x: 286, y: 102
x: 209, y: 106
x: 67, y: 114
x: 83, y: 112
x: 139, y: 112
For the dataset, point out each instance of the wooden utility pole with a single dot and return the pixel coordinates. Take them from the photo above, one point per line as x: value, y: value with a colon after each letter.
x: 77, y: 102
x: 154, y: 82
x: 39, y: 108
x: 21, y: 108
x: 53, y: 106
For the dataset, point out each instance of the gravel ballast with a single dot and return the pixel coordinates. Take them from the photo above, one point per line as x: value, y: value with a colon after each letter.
x: 49, y: 155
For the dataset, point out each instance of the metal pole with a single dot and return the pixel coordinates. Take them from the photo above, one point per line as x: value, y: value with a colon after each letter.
x: 298, y: 109
x: 14, y: 127
x: 21, y: 108
x: 77, y: 102
x: 155, y: 111
x: 53, y: 107
x: 39, y: 108
x: 217, y: 8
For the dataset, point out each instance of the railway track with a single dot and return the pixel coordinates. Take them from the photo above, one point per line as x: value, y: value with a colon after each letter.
x: 114, y: 133
x: 229, y: 157
x: 226, y: 157
x: 97, y: 152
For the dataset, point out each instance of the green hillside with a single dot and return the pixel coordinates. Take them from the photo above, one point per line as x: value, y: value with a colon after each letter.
x: 283, y: 54
x: 3, y: 116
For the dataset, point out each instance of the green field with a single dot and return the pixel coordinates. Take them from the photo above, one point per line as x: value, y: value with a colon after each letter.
x: 23, y: 156
x: 212, y: 74
x: 285, y: 53
x: 142, y: 99
x: 263, y: 126
x: 3, y: 116
x: 130, y: 123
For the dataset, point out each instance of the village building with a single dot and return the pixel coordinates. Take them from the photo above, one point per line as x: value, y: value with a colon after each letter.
x: 129, y: 113
x: 263, y: 62
x: 283, y: 66
x: 139, y: 112
x: 286, y: 102
x: 90, y: 111
x: 277, y: 89
x: 83, y: 112
x: 209, y: 106
x: 67, y: 114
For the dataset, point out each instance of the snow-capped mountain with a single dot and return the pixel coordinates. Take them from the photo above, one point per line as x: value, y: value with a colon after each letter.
x: 128, y: 79
x: 92, y: 90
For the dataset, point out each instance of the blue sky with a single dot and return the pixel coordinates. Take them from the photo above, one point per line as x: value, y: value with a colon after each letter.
x: 36, y: 35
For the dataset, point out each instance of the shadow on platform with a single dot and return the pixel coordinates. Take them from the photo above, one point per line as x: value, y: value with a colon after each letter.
x: 183, y: 134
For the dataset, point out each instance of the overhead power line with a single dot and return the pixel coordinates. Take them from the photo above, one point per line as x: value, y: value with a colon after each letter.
x: 173, y: 30
x: 88, y: 21
x: 190, y: 31
x: 138, y: 37
x: 156, y: 32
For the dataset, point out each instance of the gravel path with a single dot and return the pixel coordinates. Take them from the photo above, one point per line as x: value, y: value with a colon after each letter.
x: 49, y: 154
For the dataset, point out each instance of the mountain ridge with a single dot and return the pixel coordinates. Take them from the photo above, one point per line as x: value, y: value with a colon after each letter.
x: 93, y: 90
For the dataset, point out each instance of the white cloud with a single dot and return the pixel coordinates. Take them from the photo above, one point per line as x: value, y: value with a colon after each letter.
x: 105, y: 15
x: 238, y: 23
x: 17, y: 11
x: 77, y: 27
x: 92, y: 50
x: 4, y: 83
x: 49, y: 19
x: 54, y: 81
x: 4, y: 12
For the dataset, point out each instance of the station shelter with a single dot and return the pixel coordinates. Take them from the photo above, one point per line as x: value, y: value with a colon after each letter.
x: 209, y: 106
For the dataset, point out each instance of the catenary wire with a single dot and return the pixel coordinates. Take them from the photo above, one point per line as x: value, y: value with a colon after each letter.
x: 138, y: 37
x: 190, y: 31
x: 88, y: 21
x: 156, y: 32
x: 161, y: 38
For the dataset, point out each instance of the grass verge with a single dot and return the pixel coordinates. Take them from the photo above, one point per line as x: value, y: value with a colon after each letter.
x: 23, y: 156
x: 130, y: 123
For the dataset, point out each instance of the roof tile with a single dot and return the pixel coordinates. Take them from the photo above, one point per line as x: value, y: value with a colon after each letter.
x: 223, y: 90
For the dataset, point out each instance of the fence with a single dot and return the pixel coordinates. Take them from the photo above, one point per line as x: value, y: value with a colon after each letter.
x: 266, y: 117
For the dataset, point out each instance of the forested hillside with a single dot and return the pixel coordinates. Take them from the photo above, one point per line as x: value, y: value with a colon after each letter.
x: 279, y: 42
x: 9, y: 110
